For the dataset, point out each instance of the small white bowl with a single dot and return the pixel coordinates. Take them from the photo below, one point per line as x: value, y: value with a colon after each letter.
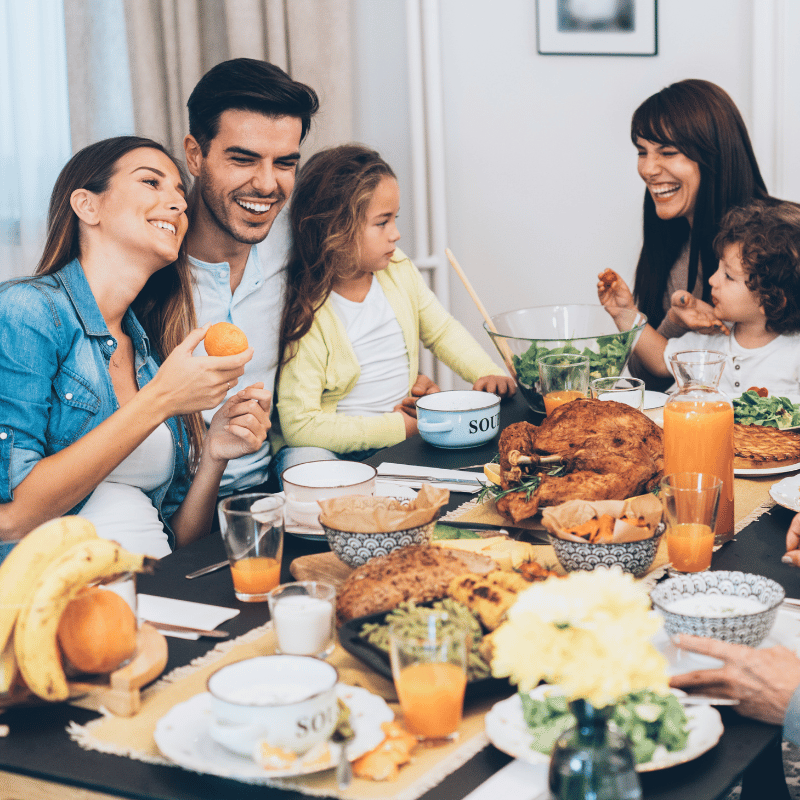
x: 287, y: 701
x: 321, y: 480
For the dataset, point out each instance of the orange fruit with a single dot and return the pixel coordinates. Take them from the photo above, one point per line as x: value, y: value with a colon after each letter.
x: 225, y: 339
x: 97, y: 631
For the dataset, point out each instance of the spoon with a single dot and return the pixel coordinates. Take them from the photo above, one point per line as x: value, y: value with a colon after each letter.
x: 344, y: 770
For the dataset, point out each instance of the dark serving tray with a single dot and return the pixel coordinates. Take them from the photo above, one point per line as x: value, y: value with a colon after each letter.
x: 378, y: 660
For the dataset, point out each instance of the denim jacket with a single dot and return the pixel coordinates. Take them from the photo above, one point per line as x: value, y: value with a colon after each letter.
x: 54, y: 380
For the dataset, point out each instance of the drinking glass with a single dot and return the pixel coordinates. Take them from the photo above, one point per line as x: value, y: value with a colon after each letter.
x: 429, y: 667
x: 562, y: 377
x: 622, y: 390
x: 252, y: 531
x: 691, y: 501
x: 302, y: 614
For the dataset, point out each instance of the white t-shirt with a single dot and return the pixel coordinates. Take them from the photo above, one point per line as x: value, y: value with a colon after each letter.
x: 381, y: 352
x: 255, y: 307
x: 775, y: 366
x: 119, y: 507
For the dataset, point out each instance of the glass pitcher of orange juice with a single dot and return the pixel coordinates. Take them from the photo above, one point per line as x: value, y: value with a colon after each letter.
x: 698, y: 428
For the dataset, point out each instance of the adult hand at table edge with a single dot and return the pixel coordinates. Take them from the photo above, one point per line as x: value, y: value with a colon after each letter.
x: 763, y: 681
x: 793, y: 542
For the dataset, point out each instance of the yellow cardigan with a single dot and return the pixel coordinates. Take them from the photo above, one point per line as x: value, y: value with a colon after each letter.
x: 324, y: 368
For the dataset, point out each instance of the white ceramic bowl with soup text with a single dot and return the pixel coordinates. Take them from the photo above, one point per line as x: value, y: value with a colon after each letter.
x: 287, y: 701
x: 458, y: 419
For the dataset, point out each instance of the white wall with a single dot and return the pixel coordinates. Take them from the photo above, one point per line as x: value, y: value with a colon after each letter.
x: 541, y: 175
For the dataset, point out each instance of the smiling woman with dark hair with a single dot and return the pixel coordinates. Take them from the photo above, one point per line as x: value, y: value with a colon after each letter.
x: 99, y: 390
x: 696, y: 159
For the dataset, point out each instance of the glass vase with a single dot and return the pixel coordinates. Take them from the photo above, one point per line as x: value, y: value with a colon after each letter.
x: 698, y: 428
x: 592, y: 761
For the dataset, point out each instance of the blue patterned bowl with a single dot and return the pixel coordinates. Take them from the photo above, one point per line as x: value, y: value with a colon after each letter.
x: 633, y: 557
x: 750, y: 628
x: 355, y: 549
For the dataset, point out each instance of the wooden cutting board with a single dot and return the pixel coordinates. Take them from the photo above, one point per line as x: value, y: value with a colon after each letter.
x: 325, y: 567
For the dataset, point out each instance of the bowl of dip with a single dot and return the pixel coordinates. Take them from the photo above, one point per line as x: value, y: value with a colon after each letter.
x: 458, y: 419
x: 736, y: 607
x: 287, y: 701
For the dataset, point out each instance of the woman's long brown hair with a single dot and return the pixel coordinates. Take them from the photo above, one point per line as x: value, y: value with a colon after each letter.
x: 700, y: 120
x: 328, y: 209
x: 164, y: 307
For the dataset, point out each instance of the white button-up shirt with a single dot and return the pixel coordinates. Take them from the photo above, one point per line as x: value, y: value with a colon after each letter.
x: 255, y: 307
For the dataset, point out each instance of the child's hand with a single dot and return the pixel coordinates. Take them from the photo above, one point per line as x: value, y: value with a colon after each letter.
x: 500, y: 385
x: 409, y: 414
x: 695, y: 315
x: 613, y: 293
x: 423, y: 385
x: 240, y: 426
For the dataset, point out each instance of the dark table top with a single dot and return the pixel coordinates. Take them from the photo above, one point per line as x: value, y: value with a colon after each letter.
x: 38, y: 745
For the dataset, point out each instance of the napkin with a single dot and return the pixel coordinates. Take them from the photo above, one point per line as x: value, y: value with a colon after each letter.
x: 182, y: 612
x: 414, y: 476
x: 517, y: 779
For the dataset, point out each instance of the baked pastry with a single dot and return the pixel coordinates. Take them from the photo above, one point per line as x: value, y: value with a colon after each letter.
x: 760, y: 447
x: 417, y: 573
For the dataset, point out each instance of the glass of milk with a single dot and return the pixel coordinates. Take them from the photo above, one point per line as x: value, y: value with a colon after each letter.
x: 302, y: 614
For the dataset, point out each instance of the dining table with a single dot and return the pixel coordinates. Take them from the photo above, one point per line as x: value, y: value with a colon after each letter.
x: 38, y: 759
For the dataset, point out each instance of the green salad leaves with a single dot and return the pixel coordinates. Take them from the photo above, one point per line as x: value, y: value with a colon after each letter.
x: 771, y: 411
x: 646, y: 718
x: 607, y: 362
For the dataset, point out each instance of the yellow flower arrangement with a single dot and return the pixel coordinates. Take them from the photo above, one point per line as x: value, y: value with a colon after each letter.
x: 588, y: 633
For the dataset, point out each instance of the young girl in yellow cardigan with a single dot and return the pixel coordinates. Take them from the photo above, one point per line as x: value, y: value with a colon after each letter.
x: 355, y: 311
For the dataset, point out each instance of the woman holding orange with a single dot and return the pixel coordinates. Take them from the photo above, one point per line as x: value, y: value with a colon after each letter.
x: 99, y: 389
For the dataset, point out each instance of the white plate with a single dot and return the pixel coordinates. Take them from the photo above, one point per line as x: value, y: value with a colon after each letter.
x: 382, y: 489
x: 182, y: 736
x: 508, y: 732
x: 755, y: 473
x: 654, y: 399
x: 785, y: 631
x: 786, y: 493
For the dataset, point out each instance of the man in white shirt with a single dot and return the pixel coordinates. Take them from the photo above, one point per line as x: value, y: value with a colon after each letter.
x: 247, y: 119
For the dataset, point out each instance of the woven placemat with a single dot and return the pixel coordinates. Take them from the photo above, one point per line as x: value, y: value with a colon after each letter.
x: 133, y: 736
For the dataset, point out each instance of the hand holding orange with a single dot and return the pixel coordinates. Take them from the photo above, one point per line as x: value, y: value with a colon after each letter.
x: 225, y: 339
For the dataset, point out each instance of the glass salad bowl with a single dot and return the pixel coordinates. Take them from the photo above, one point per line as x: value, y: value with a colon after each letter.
x: 530, y: 333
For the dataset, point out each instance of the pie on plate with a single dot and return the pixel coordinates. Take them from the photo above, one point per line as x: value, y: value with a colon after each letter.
x: 759, y: 447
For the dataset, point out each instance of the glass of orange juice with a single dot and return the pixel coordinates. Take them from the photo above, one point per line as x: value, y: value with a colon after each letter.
x: 691, y: 502
x: 429, y: 666
x: 562, y: 377
x: 252, y: 531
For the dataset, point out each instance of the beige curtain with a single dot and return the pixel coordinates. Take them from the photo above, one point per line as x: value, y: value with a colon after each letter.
x: 172, y: 43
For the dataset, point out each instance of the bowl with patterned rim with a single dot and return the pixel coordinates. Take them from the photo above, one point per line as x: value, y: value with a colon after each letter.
x: 633, y: 557
x: 355, y: 549
x: 736, y: 607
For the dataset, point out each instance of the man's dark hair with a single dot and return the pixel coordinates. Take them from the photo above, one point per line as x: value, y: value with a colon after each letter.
x: 250, y: 85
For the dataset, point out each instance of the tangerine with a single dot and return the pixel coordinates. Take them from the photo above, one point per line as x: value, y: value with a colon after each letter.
x: 225, y: 339
x: 97, y: 631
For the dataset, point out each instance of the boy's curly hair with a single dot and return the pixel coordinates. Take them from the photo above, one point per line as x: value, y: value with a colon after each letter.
x: 768, y: 232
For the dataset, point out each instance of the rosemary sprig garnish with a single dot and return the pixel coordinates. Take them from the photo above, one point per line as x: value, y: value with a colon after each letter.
x: 493, y: 492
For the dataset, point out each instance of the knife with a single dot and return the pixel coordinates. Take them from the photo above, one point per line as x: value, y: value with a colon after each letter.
x: 165, y: 626
x: 538, y: 537
x: 430, y: 479
x: 207, y: 570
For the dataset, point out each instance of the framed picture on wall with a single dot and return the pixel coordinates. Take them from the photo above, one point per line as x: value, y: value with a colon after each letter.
x: 597, y: 27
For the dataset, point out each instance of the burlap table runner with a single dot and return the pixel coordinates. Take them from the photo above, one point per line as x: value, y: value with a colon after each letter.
x: 133, y: 736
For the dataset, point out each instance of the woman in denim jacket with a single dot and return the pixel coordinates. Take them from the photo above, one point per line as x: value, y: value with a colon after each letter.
x: 99, y: 392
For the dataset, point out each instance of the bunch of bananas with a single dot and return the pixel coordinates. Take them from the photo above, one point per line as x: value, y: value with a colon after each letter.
x: 46, y: 570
